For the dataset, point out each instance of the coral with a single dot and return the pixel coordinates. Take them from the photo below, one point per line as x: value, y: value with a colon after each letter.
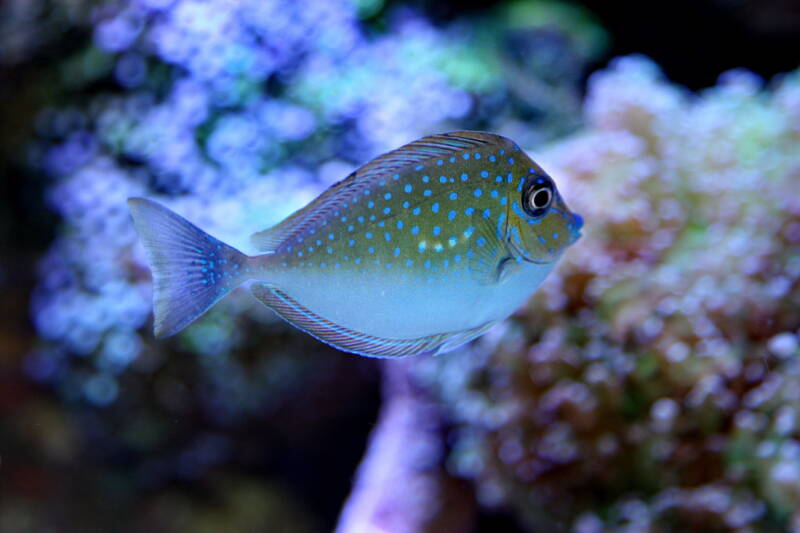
x: 652, y: 383
x: 401, y: 485
x: 235, y: 116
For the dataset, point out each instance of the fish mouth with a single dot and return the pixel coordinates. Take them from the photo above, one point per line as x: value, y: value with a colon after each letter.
x: 575, y: 227
x: 577, y: 222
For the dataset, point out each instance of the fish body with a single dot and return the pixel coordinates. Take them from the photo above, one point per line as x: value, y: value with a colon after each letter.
x: 418, y: 251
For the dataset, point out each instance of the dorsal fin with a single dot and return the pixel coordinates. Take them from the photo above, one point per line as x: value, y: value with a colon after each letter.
x: 339, y: 195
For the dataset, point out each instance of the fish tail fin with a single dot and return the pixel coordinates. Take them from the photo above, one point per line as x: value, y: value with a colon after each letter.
x: 191, y: 269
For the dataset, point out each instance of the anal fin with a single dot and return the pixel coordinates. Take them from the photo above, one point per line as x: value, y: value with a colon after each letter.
x: 353, y: 341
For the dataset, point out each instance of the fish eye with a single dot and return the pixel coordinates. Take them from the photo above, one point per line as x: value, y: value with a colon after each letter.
x: 538, y: 196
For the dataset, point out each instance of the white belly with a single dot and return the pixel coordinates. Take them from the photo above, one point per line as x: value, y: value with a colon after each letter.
x: 382, y: 304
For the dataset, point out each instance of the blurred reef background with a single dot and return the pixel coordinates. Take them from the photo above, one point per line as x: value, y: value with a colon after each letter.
x: 652, y: 384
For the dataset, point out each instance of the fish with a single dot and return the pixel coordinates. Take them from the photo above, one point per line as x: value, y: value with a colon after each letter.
x: 418, y: 251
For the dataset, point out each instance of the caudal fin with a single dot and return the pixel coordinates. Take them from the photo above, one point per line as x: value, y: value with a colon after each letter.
x: 191, y: 269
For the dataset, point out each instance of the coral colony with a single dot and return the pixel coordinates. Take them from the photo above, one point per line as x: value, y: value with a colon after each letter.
x: 663, y: 356
x: 233, y: 120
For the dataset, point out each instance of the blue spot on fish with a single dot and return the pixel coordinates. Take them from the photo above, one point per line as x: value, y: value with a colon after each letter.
x: 435, y: 207
x: 408, y: 187
x: 414, y: 230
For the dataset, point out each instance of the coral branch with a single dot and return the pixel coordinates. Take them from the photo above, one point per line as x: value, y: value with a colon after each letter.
x: 400, y: 486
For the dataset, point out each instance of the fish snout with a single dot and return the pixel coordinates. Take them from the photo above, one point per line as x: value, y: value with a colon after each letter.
x: 575, y: 226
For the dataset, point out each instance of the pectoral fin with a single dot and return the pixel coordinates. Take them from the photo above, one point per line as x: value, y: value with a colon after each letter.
x: 490, y: 260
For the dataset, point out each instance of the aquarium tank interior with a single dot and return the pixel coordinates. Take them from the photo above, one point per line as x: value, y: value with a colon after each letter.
x: 650, y: 384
